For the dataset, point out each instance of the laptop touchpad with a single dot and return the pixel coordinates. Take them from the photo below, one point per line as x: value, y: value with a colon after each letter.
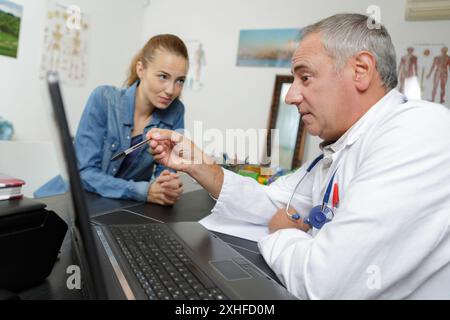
x: 230, y: 270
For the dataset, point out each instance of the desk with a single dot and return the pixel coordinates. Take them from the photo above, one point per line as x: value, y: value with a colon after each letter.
x: 192, y: 206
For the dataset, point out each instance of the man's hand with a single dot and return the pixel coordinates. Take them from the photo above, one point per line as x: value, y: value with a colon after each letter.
x: 175, y: 151
x: 166, y: 189
x: 281, y: 220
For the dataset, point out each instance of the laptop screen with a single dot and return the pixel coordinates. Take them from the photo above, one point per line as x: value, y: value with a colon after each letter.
x: 82, y: 231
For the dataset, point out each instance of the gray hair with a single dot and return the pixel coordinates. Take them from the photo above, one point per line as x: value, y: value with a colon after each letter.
x: 346, y: 34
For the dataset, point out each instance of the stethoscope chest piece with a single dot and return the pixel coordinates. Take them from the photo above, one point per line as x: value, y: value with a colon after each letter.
x: 318, y: 216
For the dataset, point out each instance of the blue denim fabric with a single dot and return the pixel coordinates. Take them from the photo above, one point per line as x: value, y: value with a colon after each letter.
x: 130, y: 159
x: 53, y: 187
x: 105, y: 129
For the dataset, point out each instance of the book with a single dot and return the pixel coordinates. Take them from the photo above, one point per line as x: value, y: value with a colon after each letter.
x: 10, y: 188
x: 7, y: 181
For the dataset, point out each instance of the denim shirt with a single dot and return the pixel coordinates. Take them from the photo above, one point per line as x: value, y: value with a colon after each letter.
x: 105, y: 129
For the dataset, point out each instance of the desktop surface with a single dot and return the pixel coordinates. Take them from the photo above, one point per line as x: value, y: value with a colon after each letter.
x: 192, y: 206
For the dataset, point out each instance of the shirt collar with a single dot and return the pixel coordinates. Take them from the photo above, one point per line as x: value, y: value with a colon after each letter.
x: 127, y: 113
x: 165, y: 115
x: 328, y: 147
x: 393, y: 97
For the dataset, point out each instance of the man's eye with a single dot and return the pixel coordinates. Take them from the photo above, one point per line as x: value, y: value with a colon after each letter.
x: 305, y: 78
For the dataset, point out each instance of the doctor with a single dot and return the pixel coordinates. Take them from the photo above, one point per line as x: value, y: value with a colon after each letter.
x: 384, y: 231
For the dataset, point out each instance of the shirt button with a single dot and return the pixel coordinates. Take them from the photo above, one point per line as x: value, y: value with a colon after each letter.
x: 113, y: 146
x: 128, y: 137
x: 114, y: 170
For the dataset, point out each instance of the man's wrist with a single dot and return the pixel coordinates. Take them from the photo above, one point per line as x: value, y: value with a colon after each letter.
x: 197, y: 167
x: 209, y: 175
x: 197, y: 170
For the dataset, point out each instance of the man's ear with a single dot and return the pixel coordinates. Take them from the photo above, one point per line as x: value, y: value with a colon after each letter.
x: 140, y: 69
x: 364, y: 68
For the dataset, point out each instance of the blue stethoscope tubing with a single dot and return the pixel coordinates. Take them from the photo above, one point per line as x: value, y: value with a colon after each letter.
x: 296, y: 216
x: 318, y: 215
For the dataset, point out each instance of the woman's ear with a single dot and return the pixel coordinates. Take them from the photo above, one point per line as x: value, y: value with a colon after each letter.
x: 139, y: 69
x: 364, y: 70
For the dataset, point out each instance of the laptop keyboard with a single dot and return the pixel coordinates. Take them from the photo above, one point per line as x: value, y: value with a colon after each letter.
x: 161, y: 266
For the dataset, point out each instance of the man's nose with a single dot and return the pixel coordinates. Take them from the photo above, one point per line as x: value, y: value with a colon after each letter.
x: 294, y: 96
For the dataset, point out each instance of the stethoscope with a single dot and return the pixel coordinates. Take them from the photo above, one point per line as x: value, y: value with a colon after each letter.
x: 321, y: 214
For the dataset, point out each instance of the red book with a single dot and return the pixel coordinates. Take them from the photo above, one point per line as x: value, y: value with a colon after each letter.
x: 7, y: 181
x: 10, y: 187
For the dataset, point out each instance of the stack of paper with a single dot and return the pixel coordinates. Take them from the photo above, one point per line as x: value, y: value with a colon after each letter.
x: 234, y: 227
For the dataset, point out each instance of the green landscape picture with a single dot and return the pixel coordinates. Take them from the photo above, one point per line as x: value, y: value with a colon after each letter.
x: 10, y: 15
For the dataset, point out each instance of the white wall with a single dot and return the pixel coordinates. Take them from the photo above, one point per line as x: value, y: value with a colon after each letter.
x: 232, y: 97
x: 115, y: 34
x: 240, y: 97
x: 34, y: 162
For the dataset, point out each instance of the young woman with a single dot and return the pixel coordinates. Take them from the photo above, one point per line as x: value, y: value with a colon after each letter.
x: 115, y: 119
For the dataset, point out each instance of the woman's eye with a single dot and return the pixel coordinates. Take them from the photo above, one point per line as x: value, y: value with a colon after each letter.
x: 162, y: 77
x: 181, y: 81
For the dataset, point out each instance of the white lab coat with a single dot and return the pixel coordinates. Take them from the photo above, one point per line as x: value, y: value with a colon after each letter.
x: 390, y: 236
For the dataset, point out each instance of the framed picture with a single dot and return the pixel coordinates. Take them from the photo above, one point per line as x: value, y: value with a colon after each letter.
x: 10, y: 16
x: 65, y: 44
x: 423, y: 70
x: 197, y: 64
x: 267, y: 48
x: 290, y: 133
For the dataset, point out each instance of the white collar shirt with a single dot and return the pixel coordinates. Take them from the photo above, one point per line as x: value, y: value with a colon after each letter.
x: 390, y: 236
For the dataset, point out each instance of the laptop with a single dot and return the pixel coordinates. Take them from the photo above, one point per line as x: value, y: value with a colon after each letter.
x: 128, y: 256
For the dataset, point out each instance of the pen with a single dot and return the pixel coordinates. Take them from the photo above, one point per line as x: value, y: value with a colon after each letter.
x: 336, y: 196
x: 129, y: 150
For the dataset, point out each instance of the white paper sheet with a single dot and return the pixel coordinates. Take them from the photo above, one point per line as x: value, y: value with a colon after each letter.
x: 233, y: 227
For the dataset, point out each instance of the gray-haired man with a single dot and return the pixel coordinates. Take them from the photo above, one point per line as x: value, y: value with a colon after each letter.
x: 384, y: 167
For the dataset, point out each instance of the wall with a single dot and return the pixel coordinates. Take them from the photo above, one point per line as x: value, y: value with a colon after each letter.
x: 34, y: 162
x: 111, y: 46
x: 232, y: 97
x: 240, y: 97
x: 116, y: 28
